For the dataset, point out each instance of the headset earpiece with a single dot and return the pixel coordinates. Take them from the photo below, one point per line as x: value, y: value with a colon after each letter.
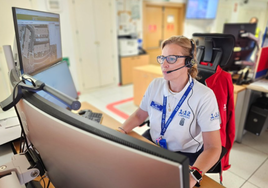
x: 190, y: 61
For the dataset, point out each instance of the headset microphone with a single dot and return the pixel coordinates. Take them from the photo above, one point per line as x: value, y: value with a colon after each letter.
x: 176, y: 69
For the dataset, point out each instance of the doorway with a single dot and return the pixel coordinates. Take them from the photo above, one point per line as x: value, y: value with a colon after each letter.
x: 161, y: 21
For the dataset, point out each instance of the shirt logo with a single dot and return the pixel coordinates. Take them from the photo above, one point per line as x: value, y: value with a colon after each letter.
x: 184, y: 113
x: 156, y: 106
x: 182, y: 121
x: 224, y: 107
x: 214, y: 116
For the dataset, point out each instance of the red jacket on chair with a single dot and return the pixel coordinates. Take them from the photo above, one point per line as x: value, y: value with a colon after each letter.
x: 222, y: 86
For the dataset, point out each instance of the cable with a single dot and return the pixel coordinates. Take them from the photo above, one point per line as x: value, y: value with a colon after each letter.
x: 22, y: 129
x: 42, y: 178
x: 21, y: 134
x: 48, y: 184
x: 30, y: 148
x: 192, y: 119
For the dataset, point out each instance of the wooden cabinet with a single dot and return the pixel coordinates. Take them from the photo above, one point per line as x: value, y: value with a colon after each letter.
x: 237, y: 91
x: 95, y: 55
x: 127, y: 65
x: 239, y: 100
x: 142, y: 77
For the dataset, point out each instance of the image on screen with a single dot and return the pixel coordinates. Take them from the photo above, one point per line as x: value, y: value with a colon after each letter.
x: 38, y: 39
x: 201, y: 9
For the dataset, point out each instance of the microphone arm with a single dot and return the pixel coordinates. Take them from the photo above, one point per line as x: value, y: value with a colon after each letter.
x: 176, y: 69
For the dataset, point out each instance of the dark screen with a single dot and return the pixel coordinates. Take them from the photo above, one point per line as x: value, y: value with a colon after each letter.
x: 237, y: 29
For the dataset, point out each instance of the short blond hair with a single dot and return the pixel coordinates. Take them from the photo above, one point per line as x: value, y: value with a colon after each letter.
x: 186, y: 45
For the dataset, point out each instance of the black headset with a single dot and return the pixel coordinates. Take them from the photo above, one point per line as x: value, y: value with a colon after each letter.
x: 190, y: 61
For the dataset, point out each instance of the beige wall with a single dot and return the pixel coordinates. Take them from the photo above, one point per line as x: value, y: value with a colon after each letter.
x: 7, y: 35
x: 243, y: 14
x: 227, y: 14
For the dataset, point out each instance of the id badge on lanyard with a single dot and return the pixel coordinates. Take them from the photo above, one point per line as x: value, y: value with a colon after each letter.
x: 161, y: 141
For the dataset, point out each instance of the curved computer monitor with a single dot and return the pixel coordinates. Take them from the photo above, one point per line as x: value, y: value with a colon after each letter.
x: 78, y: 152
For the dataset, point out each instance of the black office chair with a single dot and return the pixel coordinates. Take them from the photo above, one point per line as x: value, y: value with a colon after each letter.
x: 212, y: 50
x: 217, y: 168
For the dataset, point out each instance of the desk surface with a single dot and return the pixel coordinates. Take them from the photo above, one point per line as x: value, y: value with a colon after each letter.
x: 239, y: 88
x: 9, y: 126
x: 112, y: 123
x: 260, y: 85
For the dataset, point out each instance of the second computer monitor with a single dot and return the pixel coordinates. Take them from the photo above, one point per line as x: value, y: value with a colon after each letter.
x: 38, y: 39
x: 236, y: 29
x: 59, y: 78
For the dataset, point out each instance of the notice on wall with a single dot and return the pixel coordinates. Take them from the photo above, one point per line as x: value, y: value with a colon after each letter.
x: 135, y: 10
x: 129, y: 17
x: 170, y: 19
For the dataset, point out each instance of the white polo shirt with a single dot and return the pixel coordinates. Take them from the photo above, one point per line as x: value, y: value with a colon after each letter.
x: 198, y: 113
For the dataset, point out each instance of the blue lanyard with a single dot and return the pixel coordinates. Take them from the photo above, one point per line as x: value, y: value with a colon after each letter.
x: 164, y: 125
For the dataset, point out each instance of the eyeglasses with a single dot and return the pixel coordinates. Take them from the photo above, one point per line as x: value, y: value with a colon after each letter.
x: 171, y: 59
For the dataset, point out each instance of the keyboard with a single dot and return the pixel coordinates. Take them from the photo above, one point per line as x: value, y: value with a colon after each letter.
x: 91, y: 115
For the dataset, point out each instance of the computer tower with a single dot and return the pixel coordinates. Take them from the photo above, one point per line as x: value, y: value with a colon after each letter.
x: 257, y: 120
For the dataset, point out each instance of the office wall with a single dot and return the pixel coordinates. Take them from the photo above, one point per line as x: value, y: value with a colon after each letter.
x: 68, y: 33
x: 7, y: 36
x: 229, y: 11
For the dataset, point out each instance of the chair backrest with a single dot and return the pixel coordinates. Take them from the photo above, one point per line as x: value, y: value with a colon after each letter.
x: 217, y: 167
x: 212, y: 50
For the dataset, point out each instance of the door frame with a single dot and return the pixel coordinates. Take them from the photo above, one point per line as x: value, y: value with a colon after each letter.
x: 165, y: 4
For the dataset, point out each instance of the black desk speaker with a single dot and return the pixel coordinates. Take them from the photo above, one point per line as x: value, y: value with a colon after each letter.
x: 257, y: 120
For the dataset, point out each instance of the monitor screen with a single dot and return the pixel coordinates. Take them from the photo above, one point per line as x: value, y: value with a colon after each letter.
x: 236, y: 29
x: 201, y: 9
x: 78, y: 152
x: 38, y: 39
x: 63, y: 83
